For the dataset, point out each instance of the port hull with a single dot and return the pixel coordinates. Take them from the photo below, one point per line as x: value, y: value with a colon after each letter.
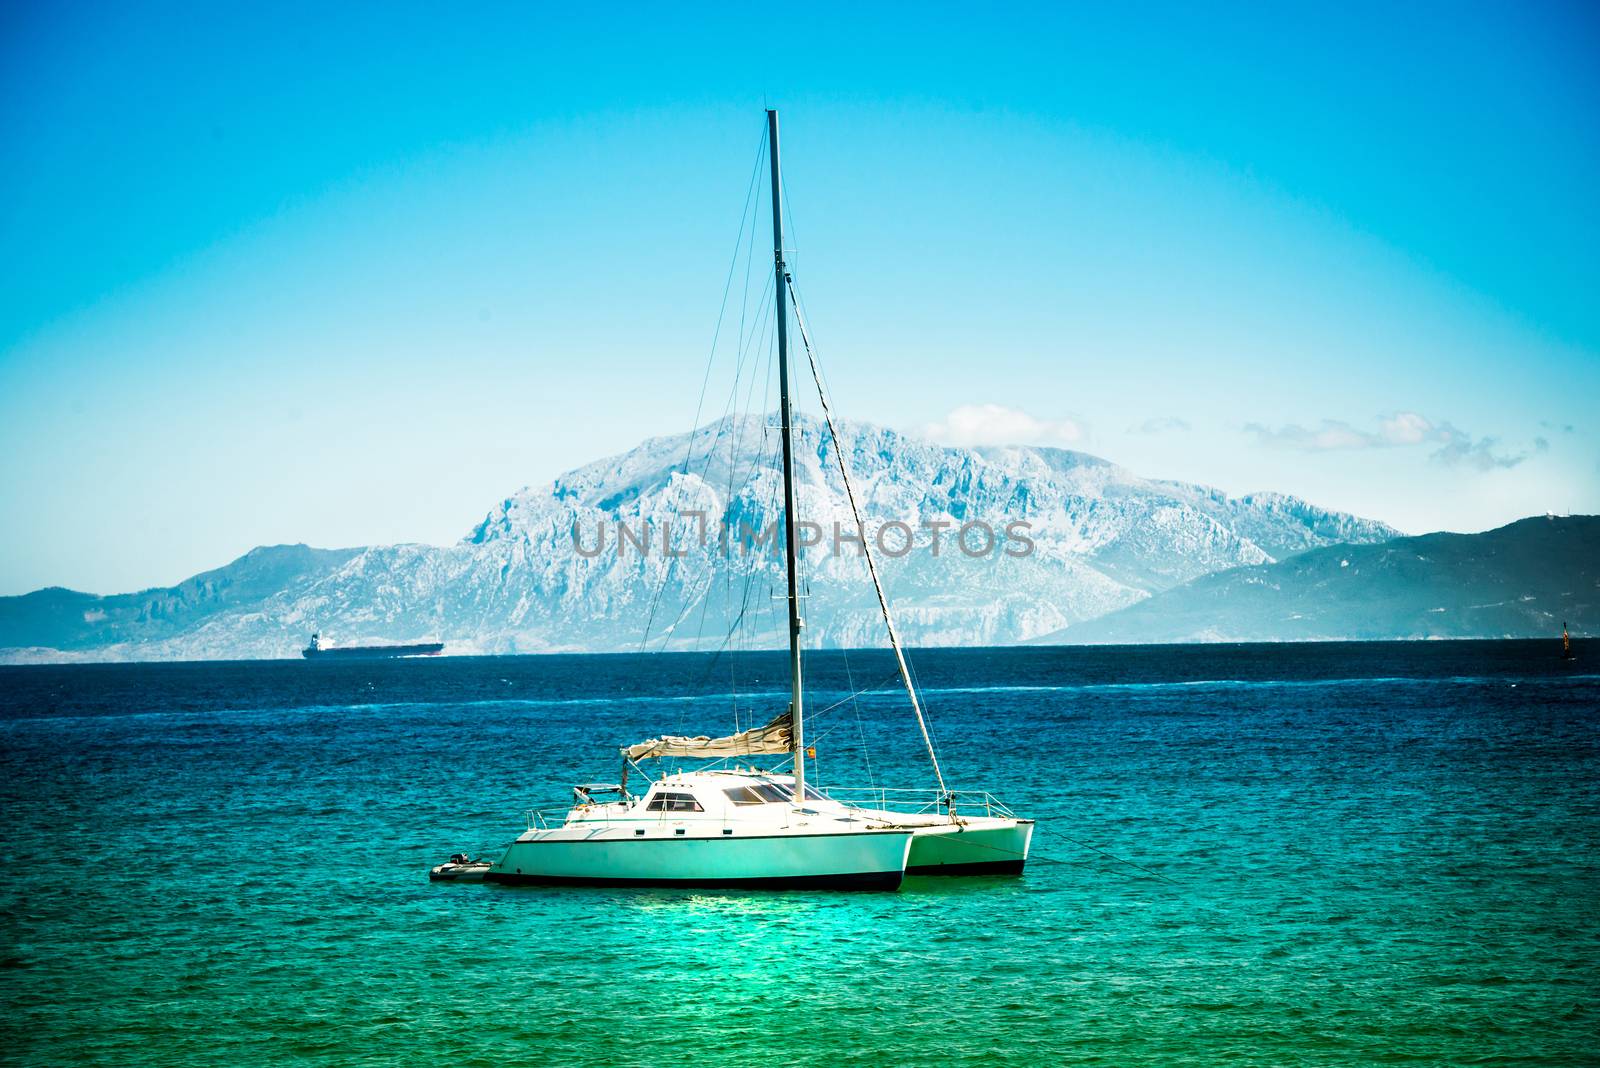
x: 858, y: 860
x: 884, y: 880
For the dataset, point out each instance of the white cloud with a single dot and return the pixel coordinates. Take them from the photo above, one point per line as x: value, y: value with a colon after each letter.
x: 1451, y: 447
x: 1162, y: 425
x: 1405, y: 428
x: 993, y: 424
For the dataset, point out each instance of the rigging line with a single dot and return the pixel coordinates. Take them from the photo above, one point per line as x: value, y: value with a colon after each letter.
x: 738, y: 619
x: 735, y: 448
x: 734, y: 430
x: 812, y: 743
x: 684, y: 608
x: 705, y: 600
x: 670, y: 629
x: 866, y: 548
x: 765, y: 377
x: 769, y: 461
x: 736, y: 440
x: 861, y: 730
x: 916, y: 680
x: 728, y: 639
x: 735, y: 444
x: 746, y: 339
x: 812, y: 717
x: 800, y: 314
x: 766, y: 436
x: 666, y: 575
x: 735, y: 628
x: 736, y: 624
x: 655, y: 601
x: 849, y: 698
x: 705, y: 381
x: 792, y: 234
x: 727, y: 287
x: 750, y: 252
x: 762, y: 326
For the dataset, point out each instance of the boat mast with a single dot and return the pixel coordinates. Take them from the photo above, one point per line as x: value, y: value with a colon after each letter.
x: 790, y: 546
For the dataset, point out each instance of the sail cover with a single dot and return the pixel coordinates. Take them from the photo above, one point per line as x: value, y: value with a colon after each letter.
x: 775, y: 737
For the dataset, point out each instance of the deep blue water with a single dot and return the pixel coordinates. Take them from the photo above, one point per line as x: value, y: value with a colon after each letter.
x: 1371, y: 853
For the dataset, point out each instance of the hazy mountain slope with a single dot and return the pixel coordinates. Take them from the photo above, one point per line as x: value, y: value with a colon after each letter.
x: 67, y: 620
x: 1520, y: 580
x: 1102, y: 538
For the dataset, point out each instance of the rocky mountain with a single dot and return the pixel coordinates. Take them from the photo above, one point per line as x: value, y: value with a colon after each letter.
x: 57, y: 620
x: 669, y: 546
x: 1519, y: 581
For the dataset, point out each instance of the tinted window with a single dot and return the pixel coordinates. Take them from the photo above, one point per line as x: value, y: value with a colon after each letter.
x: 765, y: 793
x: 666, y: 802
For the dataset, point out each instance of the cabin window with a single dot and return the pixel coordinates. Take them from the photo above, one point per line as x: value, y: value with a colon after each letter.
x: 667, y: 802
x: 763, y: 793
x: 788, y: 792
x: 759, y: 793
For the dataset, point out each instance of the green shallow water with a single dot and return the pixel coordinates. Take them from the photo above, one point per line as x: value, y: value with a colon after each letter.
x: 1377, y: 854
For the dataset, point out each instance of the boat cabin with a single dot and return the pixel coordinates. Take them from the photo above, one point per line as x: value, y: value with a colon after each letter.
x: 737, y: 796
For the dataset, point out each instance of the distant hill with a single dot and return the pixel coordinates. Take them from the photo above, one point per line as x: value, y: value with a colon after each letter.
x: 1520, y: 580
x: 61, y: 620
x: 1103, y: 536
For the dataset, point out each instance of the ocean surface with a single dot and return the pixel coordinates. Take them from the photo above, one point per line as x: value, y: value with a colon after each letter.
x: 1367, y: 854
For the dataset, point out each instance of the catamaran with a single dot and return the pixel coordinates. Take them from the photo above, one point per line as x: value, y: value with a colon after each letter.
x: 742, y: 826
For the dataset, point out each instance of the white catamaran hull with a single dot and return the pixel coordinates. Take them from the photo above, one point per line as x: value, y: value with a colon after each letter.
x: 853, y: 860
x: 981, y: 847
x: 977, y: 845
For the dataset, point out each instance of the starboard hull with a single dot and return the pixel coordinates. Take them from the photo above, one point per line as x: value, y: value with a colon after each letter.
x: 982, y: 846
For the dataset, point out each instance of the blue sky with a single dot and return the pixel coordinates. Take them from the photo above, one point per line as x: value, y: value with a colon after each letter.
x: 285, y: 274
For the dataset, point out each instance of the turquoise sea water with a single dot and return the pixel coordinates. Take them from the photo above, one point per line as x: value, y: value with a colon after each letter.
x: 1376, y: 854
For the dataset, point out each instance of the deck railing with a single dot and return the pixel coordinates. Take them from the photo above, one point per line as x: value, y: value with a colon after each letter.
x: 886, y: 799
x: 917, y: 801
x: 540, y: 819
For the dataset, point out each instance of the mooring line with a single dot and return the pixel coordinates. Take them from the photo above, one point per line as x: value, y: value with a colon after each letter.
x: 1107, y: 853
x: 1032, y: 857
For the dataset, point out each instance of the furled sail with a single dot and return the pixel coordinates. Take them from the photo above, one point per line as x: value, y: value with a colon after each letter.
x: 775, y: 737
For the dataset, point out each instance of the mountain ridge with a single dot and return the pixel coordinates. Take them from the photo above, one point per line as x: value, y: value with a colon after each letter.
x: 526, y: 578
x: 1519, y: 580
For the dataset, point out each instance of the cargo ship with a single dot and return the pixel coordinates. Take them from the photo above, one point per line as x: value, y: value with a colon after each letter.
x: 320, y: 647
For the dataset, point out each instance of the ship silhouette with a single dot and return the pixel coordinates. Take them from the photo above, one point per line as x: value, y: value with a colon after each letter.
x: 321, y: 648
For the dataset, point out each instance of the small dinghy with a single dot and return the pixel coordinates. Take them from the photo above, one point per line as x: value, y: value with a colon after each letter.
x: 460, y: 869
